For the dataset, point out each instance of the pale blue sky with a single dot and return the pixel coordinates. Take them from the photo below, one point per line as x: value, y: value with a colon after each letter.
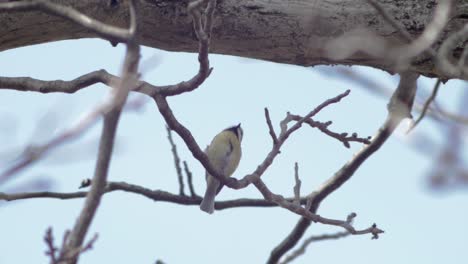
x: 390, y: 188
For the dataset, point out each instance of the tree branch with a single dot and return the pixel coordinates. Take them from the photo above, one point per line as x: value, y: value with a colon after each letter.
x: 111, y: 112
x: 271, y: 130
x: 403, y: 97
x: 176, y: 162
x: 155, y: 195
x: 302, y: 249
x: 246, y: 37
x: 426, y: 105
x: 188, y: 173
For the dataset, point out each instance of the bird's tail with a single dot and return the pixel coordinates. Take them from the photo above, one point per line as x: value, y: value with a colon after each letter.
x: 208, y: 202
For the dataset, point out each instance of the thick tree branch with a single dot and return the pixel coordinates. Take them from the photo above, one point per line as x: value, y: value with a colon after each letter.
x: 296, y: 32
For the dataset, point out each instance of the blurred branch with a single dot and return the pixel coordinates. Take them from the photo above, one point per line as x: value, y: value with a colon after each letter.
x: 426, y: 105
x: 33, y: 153
x: 449, y: 171
x: 427, y: 38
x: 395, y: 24
x: 442, y: 59
x: 302, y: 249
x: 399, y: 107
x: 458, y: 118
x: 111, y: 111
x: 112, y: 33
x: 52, y: 250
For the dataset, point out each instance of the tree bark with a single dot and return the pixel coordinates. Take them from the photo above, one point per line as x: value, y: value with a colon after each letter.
x: 286, y: 31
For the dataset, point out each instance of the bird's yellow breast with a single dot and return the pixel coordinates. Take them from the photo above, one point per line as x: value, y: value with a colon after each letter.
x: 224, y: 152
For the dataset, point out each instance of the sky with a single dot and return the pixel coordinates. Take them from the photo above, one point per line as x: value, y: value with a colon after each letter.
x: 421, y: 225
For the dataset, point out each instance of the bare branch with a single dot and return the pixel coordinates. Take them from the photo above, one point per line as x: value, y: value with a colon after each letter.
x: 106, y: 144
x: 51, y: 249
x: 155, y: 195
x: 27, y: 84
x: 301, y: 250
x: 297, y: 186
x: 98, y: 184
x: 176, y: 161
x: 346, y: 224
x: 403, y: 97
x: 343, y: 137
x: 270, y: 127
x: 203, y: 33
x: 188, y: 173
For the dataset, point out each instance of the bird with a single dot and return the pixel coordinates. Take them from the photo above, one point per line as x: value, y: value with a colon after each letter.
x: 224, y: 153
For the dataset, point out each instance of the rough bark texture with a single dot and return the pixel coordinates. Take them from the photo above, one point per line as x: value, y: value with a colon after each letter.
x: 286, y: 31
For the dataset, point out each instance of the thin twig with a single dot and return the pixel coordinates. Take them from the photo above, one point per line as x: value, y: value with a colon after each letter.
x: 51, y: 249
x: 302, y: 249
x: 297, y: 186
x: 176, y: 161
x: 188, y: 173
x: 345, y: 138
x: 270, y: 127
x: 346, y: 224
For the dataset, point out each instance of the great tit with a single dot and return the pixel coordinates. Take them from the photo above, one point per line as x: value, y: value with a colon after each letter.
x: 224, y: 153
